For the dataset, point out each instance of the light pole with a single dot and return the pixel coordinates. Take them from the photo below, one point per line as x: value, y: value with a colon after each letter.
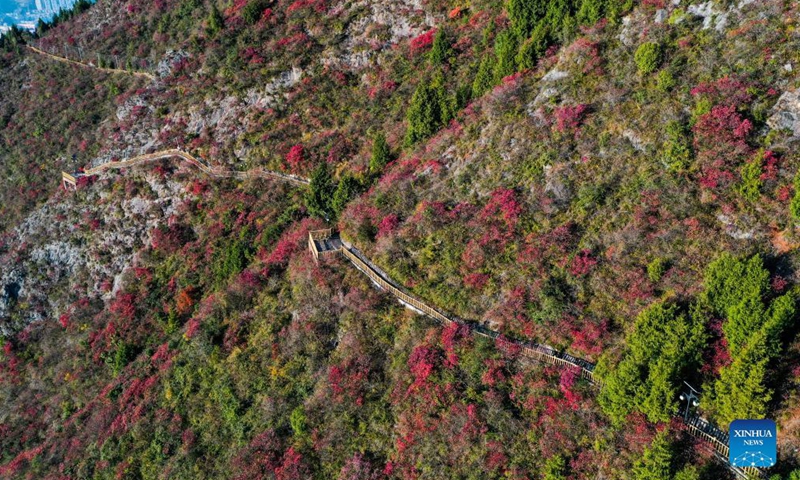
x: 691, y: 398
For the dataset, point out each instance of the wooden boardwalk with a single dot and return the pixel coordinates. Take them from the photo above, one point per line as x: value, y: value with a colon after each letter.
x: 217, y: 172
x: 61, y: 59
x: 697, y: 426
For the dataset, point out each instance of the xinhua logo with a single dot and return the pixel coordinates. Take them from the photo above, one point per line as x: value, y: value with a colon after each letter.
x: 753, y: 443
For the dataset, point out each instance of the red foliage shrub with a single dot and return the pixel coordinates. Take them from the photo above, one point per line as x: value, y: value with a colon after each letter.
x: 162, y: 356
x: 511, y: 313
x: 583, y: 50
x: 508, y: 348
x: 497, y: 232
x: 295, y: 42
x: 503, y: 201
x: 259, y: 459
x: 347, y: 380
x: 192, y: 326
x: 358, y: 467
x: 319, y: 6
x: 423, y: 41
x: 421, y: 363
x: 640, y: 432
x: 85, y: 181
x: 778, y: 284
x: 784, y: 193
x: 290, y: 243
x: 712, y: 178
x: 582, y: 263
x: 724, y: 91
x: 452, y: 335
x: 589, y: 337
x: 569, y: 117
x: 769, y: 166
x: 716, y: 354
x: 476, y: 280
x: 720, y: 142
x: 296, y: 159
x: 171, y: 238
x: 384, y: 89
x: 567, y: 383
x: 265, y: 17
x: 495, y: 372
x: 473, y: 257
x: 12, y: 468
x: 124, y: 306
x: 388, y: 225
x: 292, y: 467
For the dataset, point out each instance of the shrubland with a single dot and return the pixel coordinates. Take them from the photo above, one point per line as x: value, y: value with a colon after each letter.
x: 605, y: 177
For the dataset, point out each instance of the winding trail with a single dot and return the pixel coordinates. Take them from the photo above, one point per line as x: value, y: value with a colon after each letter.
x: 324, y: 243
x: 320, y: 244
x: 216, y: 172
x: 58, y: 58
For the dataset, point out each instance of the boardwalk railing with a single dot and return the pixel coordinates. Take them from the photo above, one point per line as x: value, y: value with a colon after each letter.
x: 535, y: 351
x: 718, y: 438
x: 217, y: 172
x: 319, y: 235
x: 68, y: 180
x: 697, y: 426
x: 383, y: 281
x: 85, y: 55
x: 64, y: 59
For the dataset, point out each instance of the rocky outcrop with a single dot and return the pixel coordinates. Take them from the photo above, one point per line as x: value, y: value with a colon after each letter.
x: 171, y: 59
x: 77, y: 245
x: 786, y: 113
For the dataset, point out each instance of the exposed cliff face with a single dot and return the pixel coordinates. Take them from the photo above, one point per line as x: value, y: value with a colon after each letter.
x: 52, y: 251
x: 78, y: 244
x: 786, y: 113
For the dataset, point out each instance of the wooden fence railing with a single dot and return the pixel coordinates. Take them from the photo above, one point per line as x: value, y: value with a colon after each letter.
x: 68, y: 180
x: 697, y: 426
x: 200, y: 164
x: 318, y: 235
x: 59, y: 58
x: 542, y: 353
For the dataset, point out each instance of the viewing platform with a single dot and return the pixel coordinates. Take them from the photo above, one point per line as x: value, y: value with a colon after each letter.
x: 70, y: 180
x: 324, y: 243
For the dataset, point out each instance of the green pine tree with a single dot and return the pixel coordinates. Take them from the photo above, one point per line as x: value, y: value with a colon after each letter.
x: 381, y: 154
x: 555, y: 468
x: 431, y: 108
x: 647, y: 57
x: 794, y: 205
x: 440, y: 50
x: 688, y: 472
x: 619, y: 394
x: 740, y: 391
x: 484, y: 79
x: 534, y: 48
x: 656, y: 461
x: 320, y: 193
x: 677, y: 149
x: 347, y: 189
x: 729, y: 281
x: 505, y: 50
x: 590, y: 12
x: 215, y: 20
x: 664, y: 344
x: 525, y: 15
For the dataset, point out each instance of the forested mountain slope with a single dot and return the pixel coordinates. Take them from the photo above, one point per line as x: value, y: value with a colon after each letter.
x: 615, y: 179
